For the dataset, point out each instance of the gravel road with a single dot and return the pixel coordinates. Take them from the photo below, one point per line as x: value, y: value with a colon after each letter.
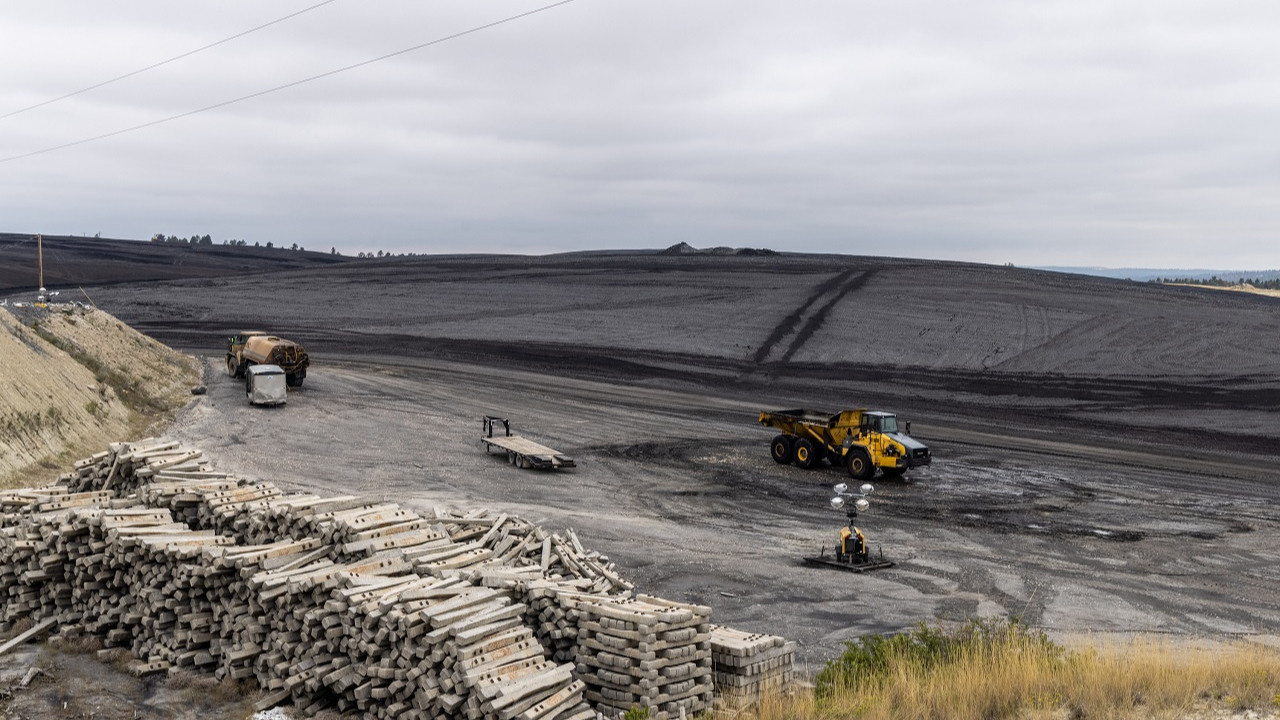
x: 678, y: 488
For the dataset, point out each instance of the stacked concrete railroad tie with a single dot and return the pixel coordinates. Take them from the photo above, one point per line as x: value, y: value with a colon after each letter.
x: 645, y: 652
x: 300, y: 515
x: 47, y: 543
x: 353, y: 604
x: 494, y: 668
x: 749, y: 666
x: 124, y: 466
x: 553, y: 612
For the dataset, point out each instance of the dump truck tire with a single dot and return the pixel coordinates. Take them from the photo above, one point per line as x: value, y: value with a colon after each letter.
x: 780, y: 449
x: 806, y: 456
x: 893, y: 472
x: 294, y: 380
x: 860, y: 467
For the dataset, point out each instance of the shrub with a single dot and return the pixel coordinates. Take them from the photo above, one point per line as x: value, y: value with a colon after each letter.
x: 873, y: 658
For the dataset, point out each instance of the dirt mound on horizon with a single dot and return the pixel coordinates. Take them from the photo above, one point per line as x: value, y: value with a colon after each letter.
x: 72, y: 379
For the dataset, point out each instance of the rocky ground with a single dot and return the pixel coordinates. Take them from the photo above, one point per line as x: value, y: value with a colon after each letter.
x: 1107, y: 453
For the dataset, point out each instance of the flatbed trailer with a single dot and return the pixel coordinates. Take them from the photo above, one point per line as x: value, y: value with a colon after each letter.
x: 521, y: 452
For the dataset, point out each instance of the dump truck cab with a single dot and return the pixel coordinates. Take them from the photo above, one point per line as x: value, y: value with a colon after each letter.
x: 236, y: 342
x: 889, y: 448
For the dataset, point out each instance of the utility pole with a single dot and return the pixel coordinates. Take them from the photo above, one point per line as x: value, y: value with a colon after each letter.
x: 42, y: 296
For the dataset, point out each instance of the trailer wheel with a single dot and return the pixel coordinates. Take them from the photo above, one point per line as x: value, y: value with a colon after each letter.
x: 780, y: 449
x: 860, y: 467
x: 806, y: 456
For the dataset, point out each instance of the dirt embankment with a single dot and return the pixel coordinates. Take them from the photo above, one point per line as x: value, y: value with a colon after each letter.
x: 73, y: 379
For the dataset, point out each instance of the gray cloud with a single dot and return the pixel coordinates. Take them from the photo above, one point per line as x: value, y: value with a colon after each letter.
x: 1079, y: 132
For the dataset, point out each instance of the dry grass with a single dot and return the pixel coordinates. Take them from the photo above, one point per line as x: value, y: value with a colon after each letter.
x: 1004, y: 671
x: 17, y: 627
x: 204, y: 691
x: 1234, y: 288
x: 76, y: 644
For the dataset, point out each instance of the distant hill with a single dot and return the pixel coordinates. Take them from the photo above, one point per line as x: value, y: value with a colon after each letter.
x: 684, y: 248
x: 1145, y: 274
x: 74, y: 261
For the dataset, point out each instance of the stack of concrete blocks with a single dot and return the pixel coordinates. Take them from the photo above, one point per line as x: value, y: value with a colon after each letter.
x: 645, y: 652
x: 363, y: 636
x: 554, y: 611
x: 358, y: 605
x: 749, y: 666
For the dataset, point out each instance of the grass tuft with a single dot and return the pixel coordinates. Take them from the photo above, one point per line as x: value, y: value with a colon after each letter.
x: 1001, y: 669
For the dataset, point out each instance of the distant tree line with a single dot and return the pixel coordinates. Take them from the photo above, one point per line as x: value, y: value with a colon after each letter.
x: 1215, y: 281
x: 381, y: 254
x: 206, y: 240
x: 175, y: 240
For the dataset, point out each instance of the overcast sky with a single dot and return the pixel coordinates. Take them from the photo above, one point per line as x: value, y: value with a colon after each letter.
x: 1081, y: 132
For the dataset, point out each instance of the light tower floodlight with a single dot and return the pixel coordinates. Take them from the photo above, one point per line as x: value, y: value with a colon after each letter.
x: 860, y: 502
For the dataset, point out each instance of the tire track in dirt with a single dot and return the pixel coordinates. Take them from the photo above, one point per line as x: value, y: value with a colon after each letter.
x: 804, y: 321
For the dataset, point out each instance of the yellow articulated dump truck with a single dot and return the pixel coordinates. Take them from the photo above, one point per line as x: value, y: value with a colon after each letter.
x: 859, y: 440
x: 252, y: 347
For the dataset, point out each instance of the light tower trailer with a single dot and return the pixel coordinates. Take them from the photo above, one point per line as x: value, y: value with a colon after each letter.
x: 851, y: 552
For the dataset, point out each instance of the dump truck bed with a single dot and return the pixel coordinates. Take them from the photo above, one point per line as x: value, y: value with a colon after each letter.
x: 799, y: 415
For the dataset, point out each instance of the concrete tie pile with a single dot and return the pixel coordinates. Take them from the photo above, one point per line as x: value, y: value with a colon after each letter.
x: 361, y: 636
x: 749, y: 666
x: 125, y: 466
x: 167, y: 475
x: 645, y: 652
x: 342, y: 602
x: 553, y: 612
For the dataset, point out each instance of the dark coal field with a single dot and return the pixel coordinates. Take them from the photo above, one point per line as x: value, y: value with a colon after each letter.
x: 1107, y: 453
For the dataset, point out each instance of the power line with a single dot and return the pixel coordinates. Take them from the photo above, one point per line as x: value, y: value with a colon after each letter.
x: 163, y: 62
x: 286, y: 86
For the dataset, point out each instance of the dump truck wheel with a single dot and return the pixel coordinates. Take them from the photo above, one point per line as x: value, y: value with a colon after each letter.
x: 806, y: 455
x: 860, y: 467
x: 294, y: 379
x: 780, y: 449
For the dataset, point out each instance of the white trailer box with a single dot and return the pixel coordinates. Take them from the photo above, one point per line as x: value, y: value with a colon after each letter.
x: 264, y: 384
